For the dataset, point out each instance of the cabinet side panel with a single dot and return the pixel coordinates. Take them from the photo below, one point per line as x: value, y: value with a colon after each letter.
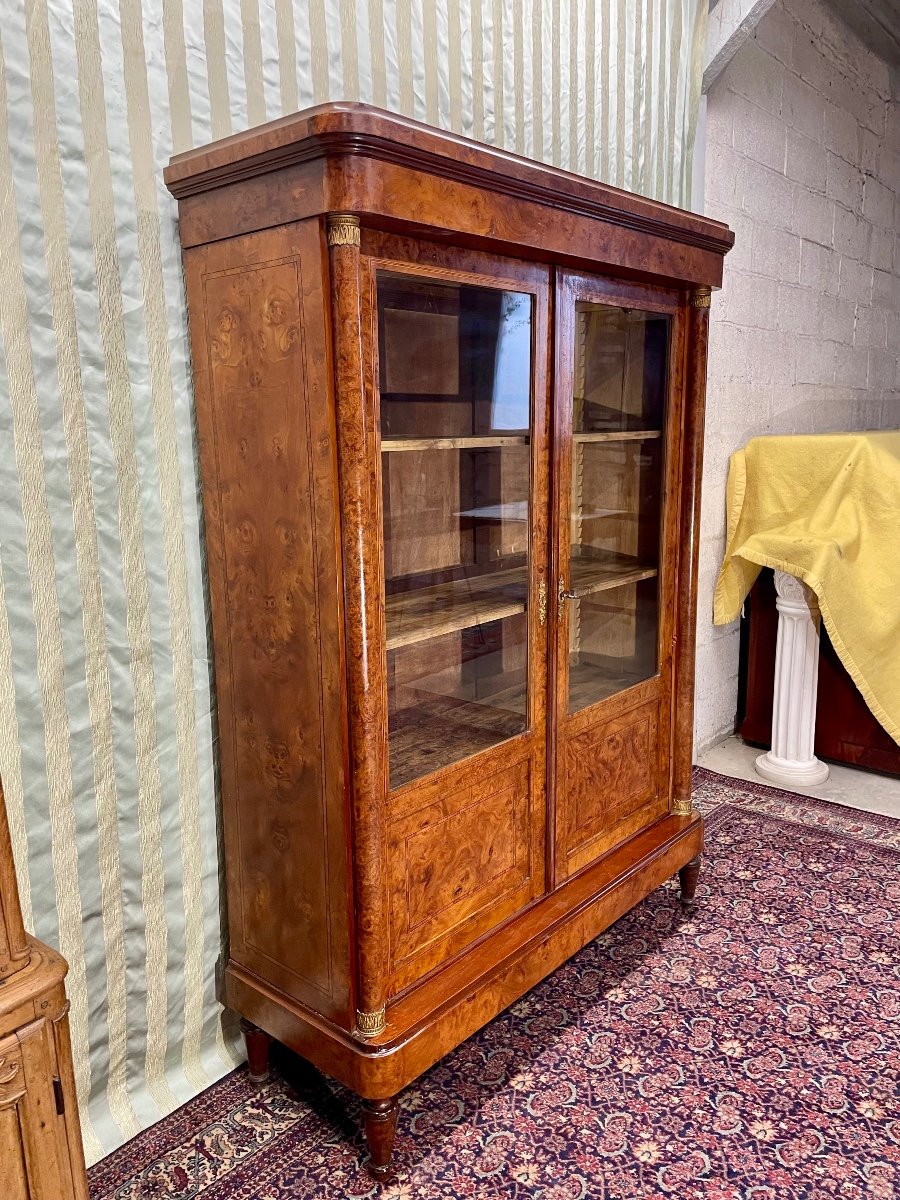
x: 269, y: 487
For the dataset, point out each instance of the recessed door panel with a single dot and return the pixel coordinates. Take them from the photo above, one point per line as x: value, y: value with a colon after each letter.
x: 614, y: 424
x: 461, y: 862
x: 612, y: 784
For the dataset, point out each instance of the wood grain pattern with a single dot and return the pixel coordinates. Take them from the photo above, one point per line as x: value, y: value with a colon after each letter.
x: 267, y: 462
x: 424, y: 613
x: 393, y: 445
x: 451, y: 1004
x: 335, y: 132
x: 612, y: 782
x: 462, y: 862
x: 499, y: 832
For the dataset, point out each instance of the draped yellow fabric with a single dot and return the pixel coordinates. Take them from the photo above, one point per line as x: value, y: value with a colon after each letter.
x: 825, y: 508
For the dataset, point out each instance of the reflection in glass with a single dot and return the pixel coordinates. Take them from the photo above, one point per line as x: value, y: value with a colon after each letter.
x: 618, y: 425
x: 455, y: 395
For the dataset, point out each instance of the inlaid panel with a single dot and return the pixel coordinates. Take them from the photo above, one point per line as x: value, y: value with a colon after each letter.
x: 612, y: 773
x: 273, y: 577
x: 461, y: 861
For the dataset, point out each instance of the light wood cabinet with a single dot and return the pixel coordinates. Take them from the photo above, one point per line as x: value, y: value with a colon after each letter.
x: 450, y: 407
x: 41, y: 1156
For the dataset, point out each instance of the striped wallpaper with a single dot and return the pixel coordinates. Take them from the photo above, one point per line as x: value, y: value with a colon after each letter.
x: 105, y: 722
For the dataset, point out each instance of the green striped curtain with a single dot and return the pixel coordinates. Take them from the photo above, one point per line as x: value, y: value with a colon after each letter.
x: 105, y: 710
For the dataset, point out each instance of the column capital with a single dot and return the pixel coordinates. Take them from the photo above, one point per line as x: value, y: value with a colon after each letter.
x: 794, y: 597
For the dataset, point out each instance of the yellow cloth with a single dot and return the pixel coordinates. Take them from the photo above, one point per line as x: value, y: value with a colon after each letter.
x: 825, y: 508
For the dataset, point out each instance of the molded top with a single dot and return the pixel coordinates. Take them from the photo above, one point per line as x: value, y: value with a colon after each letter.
x: 339, y: 129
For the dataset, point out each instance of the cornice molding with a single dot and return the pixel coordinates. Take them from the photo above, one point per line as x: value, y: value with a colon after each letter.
x: 482, y: 167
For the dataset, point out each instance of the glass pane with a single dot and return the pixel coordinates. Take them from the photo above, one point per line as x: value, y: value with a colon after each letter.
x: 618, y: 424
x: 455, y: 383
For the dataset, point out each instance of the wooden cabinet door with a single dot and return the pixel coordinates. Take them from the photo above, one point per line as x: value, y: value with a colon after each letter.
x: 34, y: 1151
x: 458, y: 352
x: 617, y: 419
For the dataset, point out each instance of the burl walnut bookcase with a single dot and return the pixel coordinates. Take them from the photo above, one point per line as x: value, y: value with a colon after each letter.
x: 450, y: 411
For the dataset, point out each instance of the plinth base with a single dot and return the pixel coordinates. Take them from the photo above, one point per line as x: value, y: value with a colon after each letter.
x: 787, y: 774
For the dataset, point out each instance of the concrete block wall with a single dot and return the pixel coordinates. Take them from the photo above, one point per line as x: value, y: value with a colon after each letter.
x: 803, y: 161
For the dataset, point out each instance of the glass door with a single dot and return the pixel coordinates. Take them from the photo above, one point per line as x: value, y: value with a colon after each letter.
x: 455, y: 368
x: 612, y: 584
x: 613, y: 417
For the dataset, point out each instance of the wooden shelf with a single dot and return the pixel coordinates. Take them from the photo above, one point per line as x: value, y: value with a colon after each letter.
x: 621, y: 435
x: 438, y: 730
x: 430, y: 612
x: 589, y: 684
x: 423, y: 613
x: 587, y: 577
x: 393, y: 445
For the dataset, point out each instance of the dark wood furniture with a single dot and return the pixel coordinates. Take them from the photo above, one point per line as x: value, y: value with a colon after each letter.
x: 450, y: 406
x: 41, y: 1156
x: 846, y: 730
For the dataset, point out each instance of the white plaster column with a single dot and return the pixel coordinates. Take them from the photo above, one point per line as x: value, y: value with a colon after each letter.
x: 791, y: 761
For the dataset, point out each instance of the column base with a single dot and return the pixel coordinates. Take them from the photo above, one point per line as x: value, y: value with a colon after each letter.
x: 788, y: 774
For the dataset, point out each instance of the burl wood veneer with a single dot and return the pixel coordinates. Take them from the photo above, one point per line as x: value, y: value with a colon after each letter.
x: 41, y: 1156
x: 450, y: 409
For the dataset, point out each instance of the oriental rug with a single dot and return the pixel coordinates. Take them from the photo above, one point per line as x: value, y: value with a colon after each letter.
x: 745, y: 1049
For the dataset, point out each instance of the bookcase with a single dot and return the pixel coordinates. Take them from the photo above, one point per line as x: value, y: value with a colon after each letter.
x: 450, y: 411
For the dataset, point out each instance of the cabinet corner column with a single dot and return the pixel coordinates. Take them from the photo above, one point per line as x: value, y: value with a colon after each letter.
x: 692, y: 472
x: 362, y: 592
x: 15, y: 951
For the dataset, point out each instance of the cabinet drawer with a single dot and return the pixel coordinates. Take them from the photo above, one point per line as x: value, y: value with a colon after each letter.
x: 463, y: 860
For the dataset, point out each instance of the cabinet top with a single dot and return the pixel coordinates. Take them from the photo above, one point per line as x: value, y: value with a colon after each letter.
x: 350, y: 131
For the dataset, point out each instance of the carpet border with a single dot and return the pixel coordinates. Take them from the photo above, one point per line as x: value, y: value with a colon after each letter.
x: 707, y: 775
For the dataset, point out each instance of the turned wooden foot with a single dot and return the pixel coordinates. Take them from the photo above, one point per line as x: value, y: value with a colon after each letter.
x: 687, y: 877
x: 380, y: 1125
x: 257, y: 1042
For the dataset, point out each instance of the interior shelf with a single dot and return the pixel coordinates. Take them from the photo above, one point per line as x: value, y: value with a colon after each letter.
x: 429, y: 612
x: 477, y: 442
x: 588, y: 683
x: 619, y: 435
x: 437, y: 730
x: 422, y: 613
x: 588, y: 576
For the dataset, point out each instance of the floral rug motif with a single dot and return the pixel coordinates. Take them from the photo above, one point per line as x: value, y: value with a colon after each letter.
x: 748, y: 1049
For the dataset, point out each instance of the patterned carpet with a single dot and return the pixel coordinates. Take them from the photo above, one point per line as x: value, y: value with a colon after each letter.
x: 748, y: 1050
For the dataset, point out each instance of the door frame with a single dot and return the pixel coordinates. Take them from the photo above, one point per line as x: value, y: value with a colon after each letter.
x: 571, y: 288
x: 415, y: 257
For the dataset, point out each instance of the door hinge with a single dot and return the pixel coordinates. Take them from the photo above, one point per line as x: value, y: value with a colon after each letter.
x: 59, y: 1097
